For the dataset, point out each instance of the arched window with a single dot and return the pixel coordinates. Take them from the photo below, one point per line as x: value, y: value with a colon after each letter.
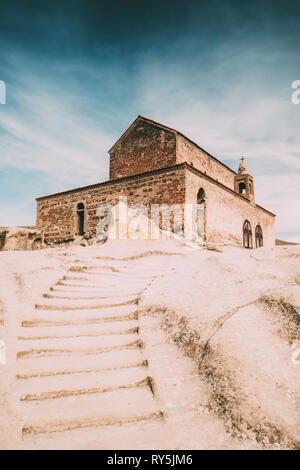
x: 201, y: 196
x: 200, y: 221
x: 247, y: 234
x: 259, y: 240
x: 242, y: 188
x: 80, y: 216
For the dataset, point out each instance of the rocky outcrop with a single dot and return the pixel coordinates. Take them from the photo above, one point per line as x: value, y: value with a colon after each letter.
x: 20, y: 238
x: 31, y: 238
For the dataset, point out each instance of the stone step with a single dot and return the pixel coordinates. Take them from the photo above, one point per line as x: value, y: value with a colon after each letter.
x: 75, y: 412
x: 100, y: 268
x: 105, y: 284
x: 87, y: 284
x: 79, y: 342
x: 75, y: 295
x: 118, y: 268
x: 54, y: 365
x: 118, y: 291
x: 101, y: 275
x: 95, y: 277
x: 45, y: 387
x: 33, y: 322
x: 132, y: 433
x: 64, y: 351
x: 74, y: 304
x: 116, y: 327
x: 82, y: 316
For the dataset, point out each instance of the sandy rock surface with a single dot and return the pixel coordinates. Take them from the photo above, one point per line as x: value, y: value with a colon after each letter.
x: 153, y: 345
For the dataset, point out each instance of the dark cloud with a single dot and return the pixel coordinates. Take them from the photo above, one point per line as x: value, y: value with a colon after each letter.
x: 83, y: 26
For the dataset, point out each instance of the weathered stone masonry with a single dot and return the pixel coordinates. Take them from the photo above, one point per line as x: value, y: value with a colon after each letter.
x: 154, y: 164
x: 142, y: 148
x: 60, y: 211
x: 226, y: 211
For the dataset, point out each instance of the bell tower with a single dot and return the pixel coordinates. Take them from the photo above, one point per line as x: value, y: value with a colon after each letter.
x: 244, y: 183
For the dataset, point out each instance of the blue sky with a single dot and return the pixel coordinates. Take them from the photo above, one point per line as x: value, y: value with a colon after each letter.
x: 79, y: 73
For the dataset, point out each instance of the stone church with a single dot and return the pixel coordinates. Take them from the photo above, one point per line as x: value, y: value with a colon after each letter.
x: 155, y: 164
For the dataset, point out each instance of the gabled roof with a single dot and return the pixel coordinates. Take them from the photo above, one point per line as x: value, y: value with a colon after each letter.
x: 158, y: 124
x: 141, y: 118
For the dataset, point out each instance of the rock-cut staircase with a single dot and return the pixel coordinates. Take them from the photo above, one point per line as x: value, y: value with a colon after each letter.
x: 80, y: 358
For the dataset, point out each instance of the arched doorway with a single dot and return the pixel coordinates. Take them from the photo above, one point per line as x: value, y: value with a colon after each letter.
x: 200, y: 221
x: 247, y: 234
x: 259, y: 240
x: 80, y: 216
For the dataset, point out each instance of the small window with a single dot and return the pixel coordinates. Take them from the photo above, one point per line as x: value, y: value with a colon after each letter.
x: 242, y: 188
x: 80, y: 215
x: 247, y: 234
x: 201, y: 196
x: 259, y: 241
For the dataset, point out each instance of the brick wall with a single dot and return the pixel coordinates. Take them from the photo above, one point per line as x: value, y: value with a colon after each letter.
x: 145, y: 147
x: 190, y: 153
x: 59, y: 212
x: 224, y: 215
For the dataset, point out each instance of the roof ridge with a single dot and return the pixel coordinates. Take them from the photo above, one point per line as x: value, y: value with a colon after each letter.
x: 176, y: 132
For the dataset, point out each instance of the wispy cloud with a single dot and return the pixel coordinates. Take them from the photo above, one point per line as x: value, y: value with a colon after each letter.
x: 242, y: 115
x: 43, y: 133
x: 219, y: 73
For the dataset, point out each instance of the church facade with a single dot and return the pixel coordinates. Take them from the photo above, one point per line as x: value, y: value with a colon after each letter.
x: 154, y: 165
